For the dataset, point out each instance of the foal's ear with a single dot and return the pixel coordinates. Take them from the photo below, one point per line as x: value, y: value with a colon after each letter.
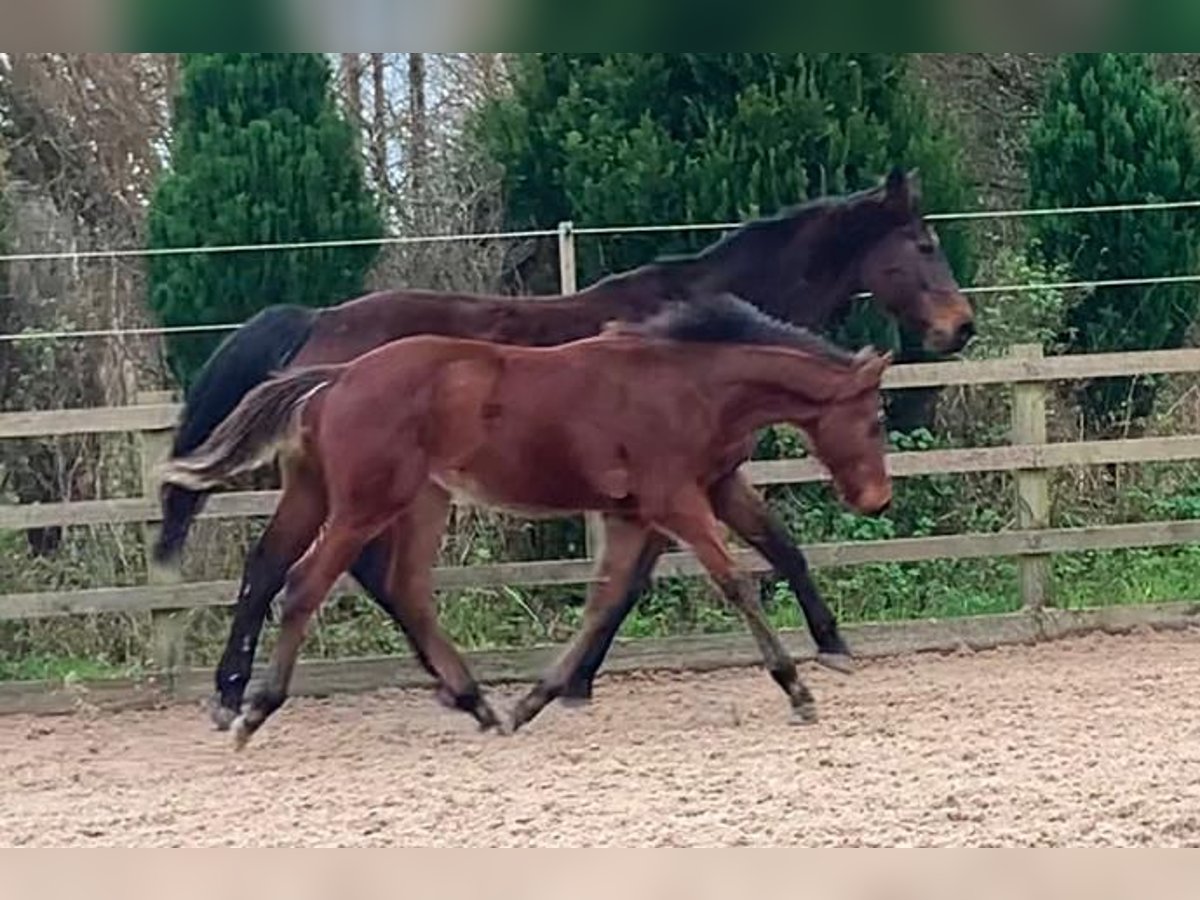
x: 871, y: 366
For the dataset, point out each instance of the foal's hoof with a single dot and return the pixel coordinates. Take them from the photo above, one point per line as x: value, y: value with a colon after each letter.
x: 805, y: 714
x: 839, y: 662
x: 242, y: 732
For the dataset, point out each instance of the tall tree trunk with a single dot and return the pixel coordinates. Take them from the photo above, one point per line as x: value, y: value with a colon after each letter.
x: 352, y: 72
x: 379, y: 124
x: 417, y: 131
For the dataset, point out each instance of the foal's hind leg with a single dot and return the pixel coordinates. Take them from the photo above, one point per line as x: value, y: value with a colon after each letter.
x: 693, y: 522
x: 308, y: 583
x: 624, y: 540
x: 291, y: 530
x: 414, y: 538
x: 744, y: 510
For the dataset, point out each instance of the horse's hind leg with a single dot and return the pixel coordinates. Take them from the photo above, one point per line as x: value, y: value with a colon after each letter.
x: 693, y: 522
x: 579, y: 688
x: 743, y: 509
x: 291, y: 530
x: 624, y: 541
x: 308, y: 583
x: 414, y: 539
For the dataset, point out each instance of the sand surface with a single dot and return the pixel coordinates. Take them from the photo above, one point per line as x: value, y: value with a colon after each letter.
x: 1091, y: 741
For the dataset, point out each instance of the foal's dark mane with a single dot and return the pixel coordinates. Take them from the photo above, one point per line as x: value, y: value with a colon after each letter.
x: 727, y: 319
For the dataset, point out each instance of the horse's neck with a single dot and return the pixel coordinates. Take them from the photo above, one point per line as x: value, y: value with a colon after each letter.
x: 809, y: 279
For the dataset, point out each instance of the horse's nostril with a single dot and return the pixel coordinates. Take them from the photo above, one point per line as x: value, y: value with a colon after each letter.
x: 966, y: 331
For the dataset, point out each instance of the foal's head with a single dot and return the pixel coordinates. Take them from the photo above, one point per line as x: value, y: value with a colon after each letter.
x: 909, y: 275
x: 842, y: 406
x: 847, y: 435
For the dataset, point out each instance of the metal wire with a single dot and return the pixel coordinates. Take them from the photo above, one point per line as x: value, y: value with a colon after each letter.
x: 595, y: 230
x: 1094, y: 284
x: 126, y: 252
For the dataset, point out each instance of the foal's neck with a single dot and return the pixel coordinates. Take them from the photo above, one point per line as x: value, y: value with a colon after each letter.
x: 758, y: 386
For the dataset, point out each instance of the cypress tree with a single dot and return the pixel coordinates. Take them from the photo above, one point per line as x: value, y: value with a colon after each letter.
x: 259, y: 155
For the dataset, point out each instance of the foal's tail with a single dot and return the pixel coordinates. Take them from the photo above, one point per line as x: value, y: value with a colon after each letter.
x: 248, y: 437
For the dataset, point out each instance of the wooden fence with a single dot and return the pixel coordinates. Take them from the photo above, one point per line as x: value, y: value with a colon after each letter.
x: 1029, y: 457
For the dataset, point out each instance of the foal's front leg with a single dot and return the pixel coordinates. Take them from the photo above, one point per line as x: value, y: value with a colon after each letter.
x: 743, y: 509
x: 693, y: 522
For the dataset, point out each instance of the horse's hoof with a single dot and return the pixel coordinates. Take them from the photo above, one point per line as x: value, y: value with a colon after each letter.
x: 805, y: 714
x: 487, y: 718
x: 222, y: 716
x: 241, y: 733
x: 839, y: 662
x: 575, y: 702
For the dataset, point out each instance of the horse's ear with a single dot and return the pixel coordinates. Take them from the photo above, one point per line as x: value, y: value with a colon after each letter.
x: 902, y: 190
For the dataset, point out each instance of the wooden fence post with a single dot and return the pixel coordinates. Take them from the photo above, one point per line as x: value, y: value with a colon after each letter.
x: 1032, y: 485
x: 568, y: 284
x: 168, y: 626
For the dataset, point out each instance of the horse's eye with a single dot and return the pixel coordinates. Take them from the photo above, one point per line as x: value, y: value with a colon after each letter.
x: 926, y: 248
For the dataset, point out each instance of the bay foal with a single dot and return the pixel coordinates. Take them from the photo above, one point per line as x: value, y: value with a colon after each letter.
x: 634, y: 424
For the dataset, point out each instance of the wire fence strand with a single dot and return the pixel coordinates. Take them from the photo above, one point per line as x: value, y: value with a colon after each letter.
x: 1094, y: 284
x: 127, y: 252
x: 601, y: 230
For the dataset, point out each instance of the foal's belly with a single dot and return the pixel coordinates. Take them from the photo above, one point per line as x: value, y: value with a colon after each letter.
x: 543, y: 496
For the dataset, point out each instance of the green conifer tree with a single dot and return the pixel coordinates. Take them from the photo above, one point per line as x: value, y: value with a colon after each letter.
x: 1111, y: 132
x: 259, y: 155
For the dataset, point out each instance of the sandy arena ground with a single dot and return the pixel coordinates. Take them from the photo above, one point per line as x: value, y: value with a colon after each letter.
x: 1093, y: 741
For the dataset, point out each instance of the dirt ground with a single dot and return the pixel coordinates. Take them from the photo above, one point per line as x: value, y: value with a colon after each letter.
x: 1092, y: 741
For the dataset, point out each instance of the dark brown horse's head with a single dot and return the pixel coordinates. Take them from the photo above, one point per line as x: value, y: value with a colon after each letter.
x: 909, y: 275
x: 847, y: 436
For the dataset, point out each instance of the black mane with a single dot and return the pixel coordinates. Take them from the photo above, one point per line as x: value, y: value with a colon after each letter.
x: 763, y: 263
x: 727, y: 319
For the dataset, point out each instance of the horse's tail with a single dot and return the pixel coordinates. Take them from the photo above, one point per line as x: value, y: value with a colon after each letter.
x: 246, y: 358
x: 249, y: 436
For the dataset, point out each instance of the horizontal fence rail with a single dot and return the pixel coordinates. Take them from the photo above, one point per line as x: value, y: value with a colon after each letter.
x: 1024, y: 370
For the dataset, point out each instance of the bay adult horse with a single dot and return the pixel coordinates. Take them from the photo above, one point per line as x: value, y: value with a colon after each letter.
x: 635, y: 424
x: 803, y: 265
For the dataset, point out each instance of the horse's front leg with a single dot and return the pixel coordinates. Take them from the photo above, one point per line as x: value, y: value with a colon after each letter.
x: 743, y: 509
